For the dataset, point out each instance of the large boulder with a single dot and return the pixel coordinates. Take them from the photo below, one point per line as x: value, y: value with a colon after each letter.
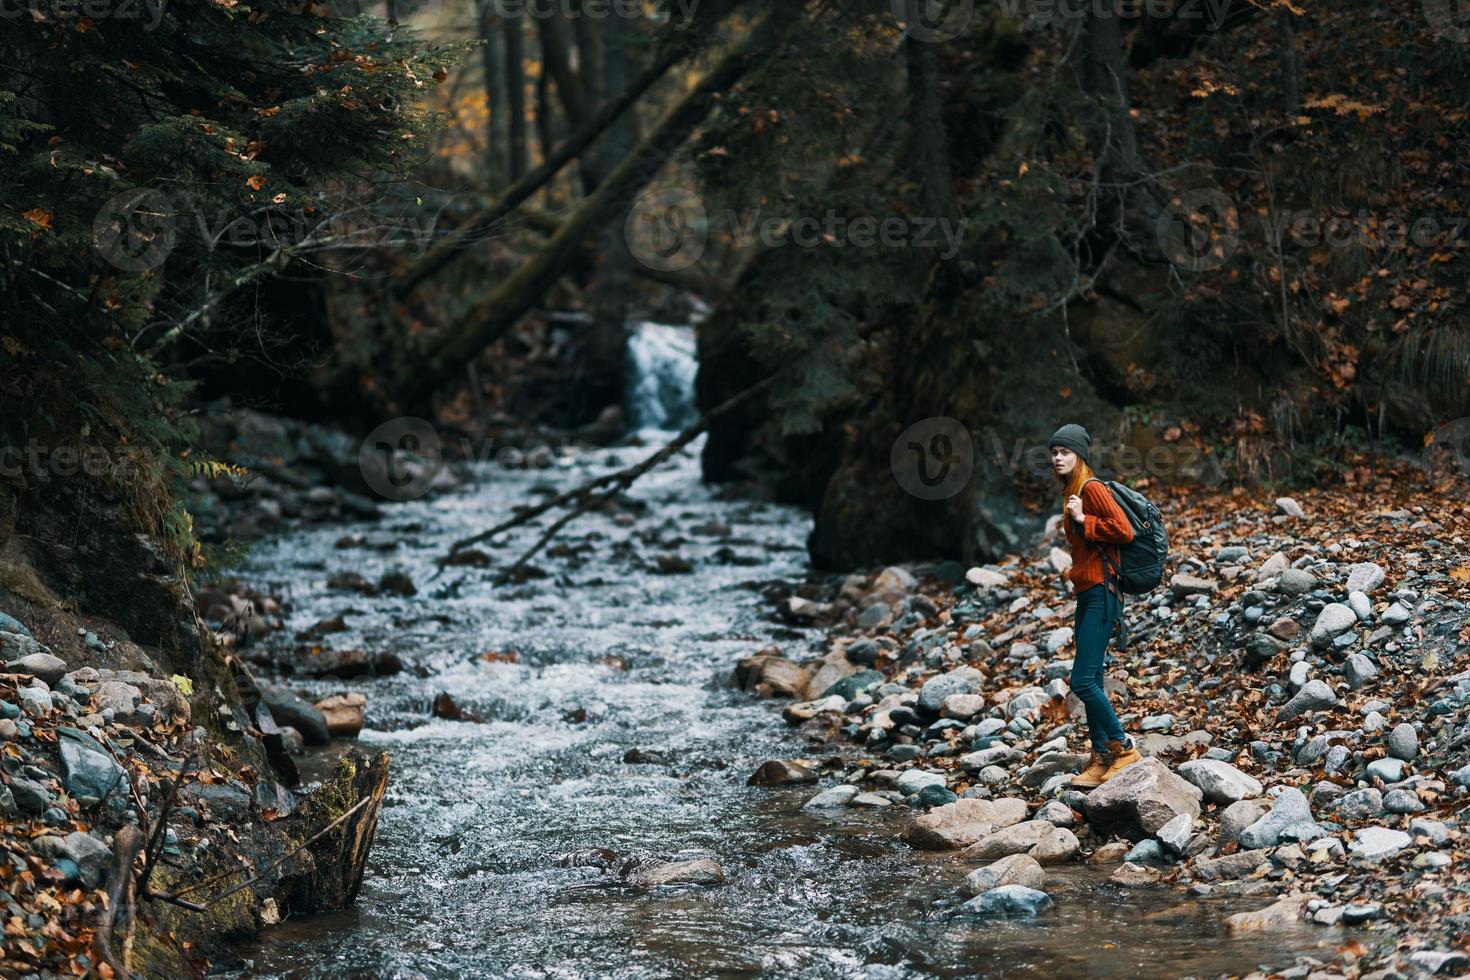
x: 1220, y: 782
x: 953, y: 825
x: 1140, y: 800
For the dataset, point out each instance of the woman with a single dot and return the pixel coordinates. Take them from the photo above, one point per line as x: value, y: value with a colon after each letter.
x: 1095, y: 526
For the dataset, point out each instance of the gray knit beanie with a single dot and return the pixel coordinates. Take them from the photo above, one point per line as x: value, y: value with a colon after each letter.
x: 1073, y: 437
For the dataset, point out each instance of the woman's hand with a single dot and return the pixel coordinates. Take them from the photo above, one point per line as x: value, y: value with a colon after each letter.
x: 1074, y: 508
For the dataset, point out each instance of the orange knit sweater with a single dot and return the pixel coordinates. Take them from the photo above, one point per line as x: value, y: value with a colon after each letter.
x: 1104, y: 527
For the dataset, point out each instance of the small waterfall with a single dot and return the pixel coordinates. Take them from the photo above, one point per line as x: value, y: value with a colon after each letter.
x: 661, y: 364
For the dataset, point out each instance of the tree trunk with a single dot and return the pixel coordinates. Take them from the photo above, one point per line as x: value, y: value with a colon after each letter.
x: 497, y: 133
x: 612, y: 287
x: 486, y: 220
x: 504, y: 307
x: 1290, y: 84
x: 515, y: 86
x: 930, y: 144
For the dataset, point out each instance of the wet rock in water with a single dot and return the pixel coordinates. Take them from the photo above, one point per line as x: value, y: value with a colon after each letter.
x: 1231, y: 866
x: 781, y: 772
x: 1140, y: 800
x: 45, y: 666
x: 1315, y: 696
x: 351, y: 582
x: 769, y: 674
x: 1131, y: 875
x: 90, y: 855
x: 836, y: 796
x: 703, y: 871
x: 1378, y: 843
x: 1148, y: 852
x: 1018, y: 869
x: 1009, y: 901
x: 953, y: 825
x: 88, y: 769
x: 1220, y: 782
x: 344, y: 713
x: 289, y: 708
x: 1110, y: 852
x: 345, y: 664
x: 444, y: 706
x: 1290, y: 819
x: 398, y: 583
x: 671, y: 564
x: 590, y: 857
x: 324, y: 627
x: 1283, y: 912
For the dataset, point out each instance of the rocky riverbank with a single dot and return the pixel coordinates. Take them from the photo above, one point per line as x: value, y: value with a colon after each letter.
x: 1299, y: 686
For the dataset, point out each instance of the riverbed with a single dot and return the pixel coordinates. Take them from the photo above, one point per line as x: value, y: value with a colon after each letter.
x: 606, y: 719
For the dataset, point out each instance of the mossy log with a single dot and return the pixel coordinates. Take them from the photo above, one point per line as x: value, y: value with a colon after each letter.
x: 328, y: 873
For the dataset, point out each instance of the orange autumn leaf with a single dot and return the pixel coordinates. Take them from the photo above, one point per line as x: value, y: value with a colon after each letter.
x: 256, y: 182
x: 38, y: 216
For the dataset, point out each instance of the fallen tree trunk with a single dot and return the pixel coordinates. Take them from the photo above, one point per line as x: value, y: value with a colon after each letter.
x: 504, y: 307
x: 488, y: 219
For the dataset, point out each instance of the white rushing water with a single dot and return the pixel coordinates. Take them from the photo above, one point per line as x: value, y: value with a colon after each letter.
x: 661, y: 367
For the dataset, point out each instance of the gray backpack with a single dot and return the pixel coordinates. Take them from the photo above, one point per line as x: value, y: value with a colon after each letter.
x: 1142, y: 560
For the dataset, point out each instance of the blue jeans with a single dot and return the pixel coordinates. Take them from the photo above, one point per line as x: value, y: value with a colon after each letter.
x: 1097, y: 612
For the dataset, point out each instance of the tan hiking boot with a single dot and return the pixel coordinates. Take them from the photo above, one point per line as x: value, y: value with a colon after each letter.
x: 1092, y: 776
x: 1122, y: 759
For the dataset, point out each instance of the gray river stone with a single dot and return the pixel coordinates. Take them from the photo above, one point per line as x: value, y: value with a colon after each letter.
x: 1315, y: 696
x: 1009, y: 901
x: 1290, y: 819
x: 88, y: 769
